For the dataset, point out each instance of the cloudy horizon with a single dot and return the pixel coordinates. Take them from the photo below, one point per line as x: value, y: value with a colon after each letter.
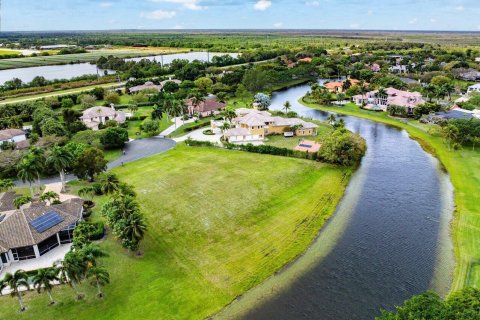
x: 408, y: 15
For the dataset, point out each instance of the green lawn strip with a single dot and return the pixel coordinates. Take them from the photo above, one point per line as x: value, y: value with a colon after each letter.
x: 220, y: 222
x: 58, y: 93
x: 464, y: 169
x: 185, y: 128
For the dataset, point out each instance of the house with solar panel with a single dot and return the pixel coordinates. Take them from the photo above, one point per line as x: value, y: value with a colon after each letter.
x: 36, y: 228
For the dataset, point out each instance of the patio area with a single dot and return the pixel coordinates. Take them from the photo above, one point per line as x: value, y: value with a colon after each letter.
x: 44, y: 261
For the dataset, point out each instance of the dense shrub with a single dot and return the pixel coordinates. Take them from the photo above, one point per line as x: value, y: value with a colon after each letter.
x: 343, y: 147
x: 113, y: 138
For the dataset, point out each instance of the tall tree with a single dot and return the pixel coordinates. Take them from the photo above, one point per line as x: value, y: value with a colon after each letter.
x: 6, y: 185
x: 71, y: 270
x: 43, y: 281
x: 60, y: 159
x: 16, y: 281
x: 100, y: 277
x: 287, y: 106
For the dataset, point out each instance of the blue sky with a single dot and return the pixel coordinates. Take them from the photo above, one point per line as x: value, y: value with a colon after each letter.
x: 19, y: 15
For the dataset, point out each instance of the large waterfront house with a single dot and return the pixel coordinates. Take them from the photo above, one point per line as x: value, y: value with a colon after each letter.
x: 338, y: 86
x: 253, y: 125
x: 15, y: 136
x: 36, y: 228
x: 95, y: 116
x: 373, y: 100
x: 210, y: 106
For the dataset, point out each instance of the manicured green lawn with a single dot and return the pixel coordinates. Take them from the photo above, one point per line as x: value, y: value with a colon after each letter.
x: 280, y: 141
x: 220, y: 222
x: 464, y: 169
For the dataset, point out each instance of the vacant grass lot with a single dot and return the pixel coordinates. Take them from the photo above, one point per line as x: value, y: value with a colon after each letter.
x: 219, y: 221
x: 464, y: 169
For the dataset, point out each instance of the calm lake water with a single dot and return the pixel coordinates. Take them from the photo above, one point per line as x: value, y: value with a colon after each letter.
x: 388, y: 240
x: 69, y: 71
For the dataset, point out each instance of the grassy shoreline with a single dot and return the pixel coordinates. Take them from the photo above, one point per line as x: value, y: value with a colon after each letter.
x: 464, y: 169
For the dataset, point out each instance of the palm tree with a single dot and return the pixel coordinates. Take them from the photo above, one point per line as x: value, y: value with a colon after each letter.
x: 15, y: 281
x: 50, y: 196
x: 20, y: 201
x: 230, y: 114
x: 133, y: 108
x: 89, y: 255
x: 196, y: 97
x: 71, y: 270
x: 6, y: 185
x: 88, y: 191
x: 27, y: 172
x: 450, y: 133
x: 332, y: 119
x: 43, y: 281
x: 37, y: 156
x: 449, y: 88
x: 100, y: 277
x: 287, y: 106
x: 60, y: 159
x: 109, y: 183
x: 225, y: 126
x: 341, y: 96
x: 3, y: 285
x: 134, y: 229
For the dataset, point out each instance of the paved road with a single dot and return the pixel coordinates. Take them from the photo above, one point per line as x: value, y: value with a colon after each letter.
x: 138, y: 149
x: 134, y: 150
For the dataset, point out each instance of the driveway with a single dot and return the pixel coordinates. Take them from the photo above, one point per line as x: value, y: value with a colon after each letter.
x: 138, y: 149
x: 199, y: 136
x: 134, y: 150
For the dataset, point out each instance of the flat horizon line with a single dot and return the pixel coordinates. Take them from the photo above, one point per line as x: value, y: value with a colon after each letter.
x: 273, y: 30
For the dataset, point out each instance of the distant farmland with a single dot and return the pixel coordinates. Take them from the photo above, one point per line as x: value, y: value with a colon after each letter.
x: 73, y: 58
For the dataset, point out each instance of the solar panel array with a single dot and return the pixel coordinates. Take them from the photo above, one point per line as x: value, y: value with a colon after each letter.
x: 47, y: 221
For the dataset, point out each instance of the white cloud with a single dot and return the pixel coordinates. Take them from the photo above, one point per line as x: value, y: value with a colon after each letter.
x: 278, y: 24
x: 188, y: 4
x: 413, y: 21
x: 355, y: 26
x: 262, y: 5
x: 158, y: 15
x: 313, y: 3
x: 177, y: 27
x: 433, y: 20
x: 460, y: 8
x: 106, y: 4
x: 370, y: 12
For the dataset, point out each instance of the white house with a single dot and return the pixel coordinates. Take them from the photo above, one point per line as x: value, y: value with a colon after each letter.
x: 473, y: 89
x: 95, y: 116
x: 16, y: 136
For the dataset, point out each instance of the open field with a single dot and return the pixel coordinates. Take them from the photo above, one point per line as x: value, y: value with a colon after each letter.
x: 7, y: 52
x: 79, y: 57
x: 220, y: 222
x: 464, y: 169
